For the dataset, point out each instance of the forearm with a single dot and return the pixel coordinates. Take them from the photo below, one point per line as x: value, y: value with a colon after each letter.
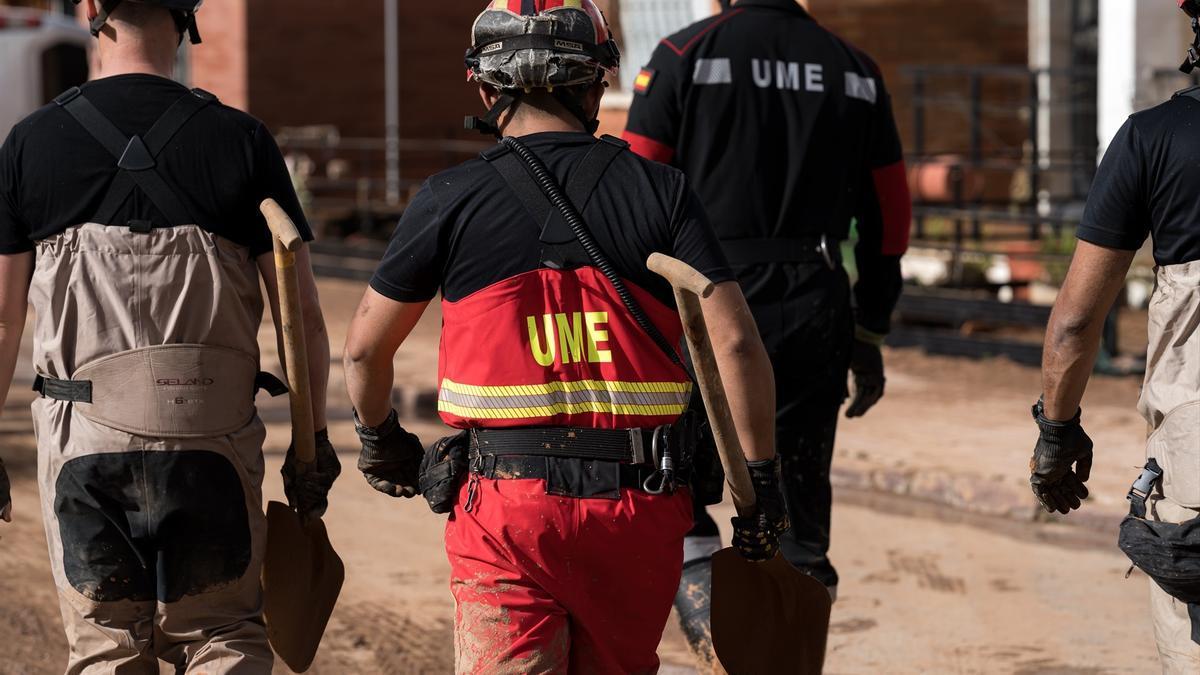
x: 379, y: 327
x: 15, y: 274
x: 316, y: 341
x: 1072, y: 343
x: 369, y: 379
x: 11, y: 330
x: 745, y: 371
x: 1096, y: 277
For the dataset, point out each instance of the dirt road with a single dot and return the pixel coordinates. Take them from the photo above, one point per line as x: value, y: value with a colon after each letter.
x: 921, y: 592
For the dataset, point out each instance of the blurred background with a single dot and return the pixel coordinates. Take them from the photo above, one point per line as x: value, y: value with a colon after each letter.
x: 1004, y: 109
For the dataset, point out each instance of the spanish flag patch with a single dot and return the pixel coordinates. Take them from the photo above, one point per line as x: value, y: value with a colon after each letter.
x: 643, y: 81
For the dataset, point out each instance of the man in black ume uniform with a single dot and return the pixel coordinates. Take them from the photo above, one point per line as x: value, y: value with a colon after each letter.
x: 786, y: 132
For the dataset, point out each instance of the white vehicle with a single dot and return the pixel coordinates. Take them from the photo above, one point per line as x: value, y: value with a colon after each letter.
x: 42, y: 54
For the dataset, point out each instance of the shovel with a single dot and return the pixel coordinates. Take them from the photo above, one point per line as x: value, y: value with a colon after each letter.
x: 766, y: 617
x: 302, y: 574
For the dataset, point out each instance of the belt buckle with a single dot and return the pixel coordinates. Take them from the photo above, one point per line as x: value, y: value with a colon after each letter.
x: 823, y: 249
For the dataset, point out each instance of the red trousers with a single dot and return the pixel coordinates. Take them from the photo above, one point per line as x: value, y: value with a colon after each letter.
x: 549, y: 584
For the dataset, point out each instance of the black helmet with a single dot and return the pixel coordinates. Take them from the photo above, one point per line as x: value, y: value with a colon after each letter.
x: 184, y: 12
x: 518, y: 46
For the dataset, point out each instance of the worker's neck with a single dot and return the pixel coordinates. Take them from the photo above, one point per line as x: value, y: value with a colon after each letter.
x: 540, y: 122
x: 135, y: 58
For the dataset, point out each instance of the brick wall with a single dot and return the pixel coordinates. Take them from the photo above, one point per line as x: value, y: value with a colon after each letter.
x: 220, y: 63
x: 898, y: 33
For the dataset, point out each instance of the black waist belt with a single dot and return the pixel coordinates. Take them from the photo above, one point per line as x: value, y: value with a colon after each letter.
x: 818, y: 249
x: 80, y: 391
x: 630, y: 446
x: 589, y: 478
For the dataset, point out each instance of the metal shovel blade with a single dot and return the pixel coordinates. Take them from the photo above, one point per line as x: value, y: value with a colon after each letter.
x: 302, y: 576
x: 767, y: 617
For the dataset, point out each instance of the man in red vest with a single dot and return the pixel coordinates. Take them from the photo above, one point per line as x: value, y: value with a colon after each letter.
x: 559, y: 359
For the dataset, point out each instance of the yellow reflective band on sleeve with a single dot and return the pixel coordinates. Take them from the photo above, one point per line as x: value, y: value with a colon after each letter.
x: 532, y: 401
x: 577, y: 4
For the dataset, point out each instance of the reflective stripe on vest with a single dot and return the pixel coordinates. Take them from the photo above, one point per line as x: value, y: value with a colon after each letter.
x: 557, y: 348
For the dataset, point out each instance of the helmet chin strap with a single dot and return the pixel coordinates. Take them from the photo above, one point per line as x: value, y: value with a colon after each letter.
x: 489, y: 124
x: 1193, y: 54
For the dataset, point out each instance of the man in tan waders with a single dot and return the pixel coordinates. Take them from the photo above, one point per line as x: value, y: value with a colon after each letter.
x: 1148, y: 184
x: 129, y: 213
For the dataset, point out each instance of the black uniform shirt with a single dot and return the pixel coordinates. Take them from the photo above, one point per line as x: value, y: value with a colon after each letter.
x: 466, y: 229
x: 1149, y: 184
x: 786, y: 131
x: 222, y: 164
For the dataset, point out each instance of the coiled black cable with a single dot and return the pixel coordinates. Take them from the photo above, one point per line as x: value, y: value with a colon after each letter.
x: 571, y: 214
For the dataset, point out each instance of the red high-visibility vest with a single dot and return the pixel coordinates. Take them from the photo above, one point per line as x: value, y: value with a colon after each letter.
x: 557, y: 348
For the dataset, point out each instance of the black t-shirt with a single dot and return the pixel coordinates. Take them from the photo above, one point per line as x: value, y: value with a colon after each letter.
x: 466, y: 229
x: 54, y: 175
x: 1149, y: 184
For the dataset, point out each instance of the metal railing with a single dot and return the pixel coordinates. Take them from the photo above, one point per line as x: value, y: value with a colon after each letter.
x: 982, y: 127
x: 343, y: 181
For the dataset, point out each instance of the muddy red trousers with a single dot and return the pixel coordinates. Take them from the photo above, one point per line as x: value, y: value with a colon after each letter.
x: 551, y: 584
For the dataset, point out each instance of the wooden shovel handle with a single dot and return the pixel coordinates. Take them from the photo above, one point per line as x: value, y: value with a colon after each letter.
x: 690, y: 286
x: 287, y: 241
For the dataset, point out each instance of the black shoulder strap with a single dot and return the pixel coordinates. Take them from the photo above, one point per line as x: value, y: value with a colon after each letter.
x: 585, y: 180
x: 137, y: 158
x: 1190, y: 92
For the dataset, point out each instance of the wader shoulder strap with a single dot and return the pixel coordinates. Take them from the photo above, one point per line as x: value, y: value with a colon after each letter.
x: 137, y: 158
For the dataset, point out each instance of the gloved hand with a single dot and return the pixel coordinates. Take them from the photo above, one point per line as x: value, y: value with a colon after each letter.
x: 1061, y: 446
x: 866, y: 362
x: 391, y: 457
x: 308, y: 491
x: 757, y: 537
x: 5, y: 496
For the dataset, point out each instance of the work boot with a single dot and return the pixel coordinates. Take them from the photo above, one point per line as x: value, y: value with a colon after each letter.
x: 693, y: 602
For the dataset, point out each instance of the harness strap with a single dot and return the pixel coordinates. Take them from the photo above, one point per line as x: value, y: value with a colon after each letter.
x: 780, y: 250
x: 1142, y: 487
x: 137, y: 157
x: 80, y: 391
x: 585, y: 180
x: 77, y: 391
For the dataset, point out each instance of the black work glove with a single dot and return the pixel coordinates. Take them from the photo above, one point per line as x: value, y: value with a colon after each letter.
x: 307, y: 487
x: 1061, y: 463
x: 5, y: 495
x: 757, y: 537
x: 391, y: 457
x: 866, y: 362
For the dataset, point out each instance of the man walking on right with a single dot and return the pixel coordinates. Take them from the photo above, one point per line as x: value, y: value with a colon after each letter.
x: 1146, y: 185
x: 787, y: 134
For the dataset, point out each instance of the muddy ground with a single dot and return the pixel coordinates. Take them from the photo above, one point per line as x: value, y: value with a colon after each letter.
x: 925, y: 587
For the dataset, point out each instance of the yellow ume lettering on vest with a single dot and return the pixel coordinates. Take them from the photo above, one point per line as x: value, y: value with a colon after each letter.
x: 570, y: 338
x: 595, y: 336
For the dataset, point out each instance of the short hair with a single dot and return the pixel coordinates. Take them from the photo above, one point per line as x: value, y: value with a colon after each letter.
x: 138, y: 14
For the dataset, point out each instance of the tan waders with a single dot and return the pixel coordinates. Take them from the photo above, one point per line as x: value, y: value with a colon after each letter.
x: 149, y: 445
x: 1171, y: 404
